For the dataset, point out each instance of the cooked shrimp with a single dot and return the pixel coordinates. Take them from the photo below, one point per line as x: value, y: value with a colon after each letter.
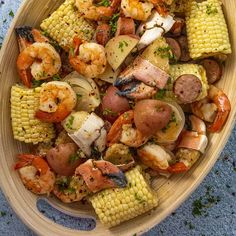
x: 214, y: 109
x: 92, y: 12
x: 57, y: 100
x: 122, y: 131
x: 88, y: 59
x: 70, y: 189
x: 41, y: 58
x: 35, y: 174
x: 136, y: 9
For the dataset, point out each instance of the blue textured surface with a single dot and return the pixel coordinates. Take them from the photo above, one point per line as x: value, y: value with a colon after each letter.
x: 217, y: 192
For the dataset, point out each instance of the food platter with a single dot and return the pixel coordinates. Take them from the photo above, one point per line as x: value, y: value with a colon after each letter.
x: 171, y: 192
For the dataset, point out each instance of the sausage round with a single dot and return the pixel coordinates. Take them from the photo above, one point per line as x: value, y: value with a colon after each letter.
x: 113, y: 104
x: 103, y: 34
x: 187, y: 88
x: 125, y: 26
x: 60, y: 159
x: 175, y: 47
x: 151, y: 116
x: 183, y: 42
x: 213, y: 70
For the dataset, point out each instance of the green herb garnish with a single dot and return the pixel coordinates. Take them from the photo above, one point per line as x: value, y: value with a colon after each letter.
x: 107, y: 112
x: 56, y: 77
x: 139, y: 198
x: 37, y: 83
x: 2, y: 213
x: 104, y: 3
x: 122, y: 44
x: 70, y: 122
x: 113, y: 23
x: 160, y: 94
x: 210, y: 10
x: 172, y: 120
x: 164, y: 52
x: 11, y: 13
x: 73, y: 158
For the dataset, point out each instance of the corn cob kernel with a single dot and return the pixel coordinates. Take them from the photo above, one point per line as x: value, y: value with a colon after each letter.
x: 181, y: 69
x: 114, y: 206
x: 66, y: 23
x: 206, y: 29
x: 26, y: 128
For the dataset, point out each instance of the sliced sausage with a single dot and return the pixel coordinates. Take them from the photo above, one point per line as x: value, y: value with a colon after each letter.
x: 183, y: 42
x: 151, y: 116
x: 178, y: 27
x: 187, y: 88
x: 175, y: 47
x: 125, y: 26
x: 213, y: 70
x: 103, y: 33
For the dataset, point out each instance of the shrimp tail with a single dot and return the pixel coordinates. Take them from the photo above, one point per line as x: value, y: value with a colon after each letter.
x: 26, y: 77
x: 54, y: 117
x: 24, y: 160
x: 116, y: 129
x: 223, y: 104
x: 178, y: 168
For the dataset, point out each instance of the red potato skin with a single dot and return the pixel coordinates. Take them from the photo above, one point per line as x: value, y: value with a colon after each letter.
x: 125, y: 26
x: 103, y: 34
x: 58, y: 159
x: 113, y: 103
x: 178, y: 26
x: 151, y: 116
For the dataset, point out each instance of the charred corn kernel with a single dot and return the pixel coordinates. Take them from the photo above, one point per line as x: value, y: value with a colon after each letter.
x: 206, y: 29
x: 26, y: 128
x: 127, y: 203
x: 65, y: 23
x: 180, y: 69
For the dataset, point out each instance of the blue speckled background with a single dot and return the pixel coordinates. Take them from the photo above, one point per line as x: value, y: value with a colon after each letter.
x: 217, y: 192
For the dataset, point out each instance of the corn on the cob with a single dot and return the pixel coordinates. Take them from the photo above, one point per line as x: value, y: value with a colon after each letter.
x: 114, y: 206
x: 65, y: 23
x: 181, y: 69
x: 26, y: 128
x: 206, y: 29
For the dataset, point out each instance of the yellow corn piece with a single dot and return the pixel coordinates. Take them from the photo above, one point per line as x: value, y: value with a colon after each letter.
x: 26, y: 128
x: 207, y: 30
x: 180, y: 69
x: 66, y: 23
x: 114, y: 206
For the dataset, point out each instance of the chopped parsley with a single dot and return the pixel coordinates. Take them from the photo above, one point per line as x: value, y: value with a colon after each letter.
x: 107, y: 112
x: 200, y: 205
x: 122, y: 44
x: 210, y: 10
x: 36, y: 83
x: 164, y: 52
x: 63, y: 183
x: 70, y: 121
x: 2, y: 213
x: 56, y: 77
x: 172, y: 120
x: 113, y: 23
x: 11, y: 13
x: 73, y: 158
x: 104, y: 3
x: 160, y: 94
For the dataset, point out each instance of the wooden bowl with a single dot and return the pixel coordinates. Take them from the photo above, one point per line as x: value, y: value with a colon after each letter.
x: 171, y: 192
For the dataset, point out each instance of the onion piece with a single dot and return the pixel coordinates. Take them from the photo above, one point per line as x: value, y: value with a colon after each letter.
x: 171, y: 133
x: 153, y: 28
x: 88, y: 96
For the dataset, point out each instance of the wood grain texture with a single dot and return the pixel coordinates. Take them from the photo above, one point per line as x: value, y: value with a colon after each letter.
x: 171, y: 192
